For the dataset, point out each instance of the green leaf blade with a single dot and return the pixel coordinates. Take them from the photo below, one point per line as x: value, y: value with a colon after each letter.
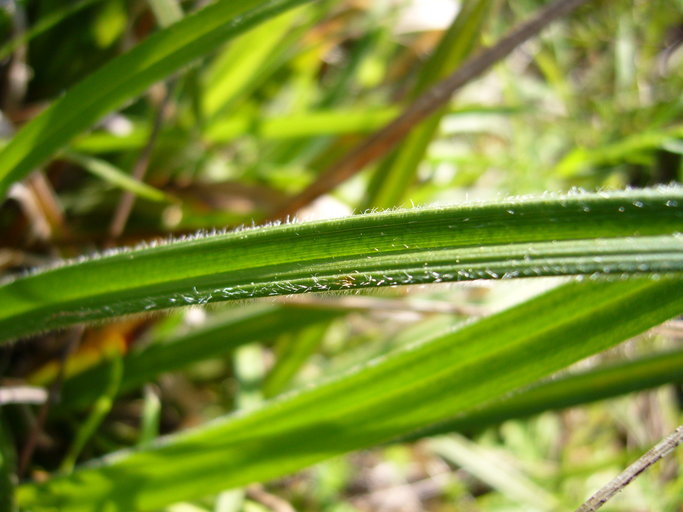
x: 514, y: 238
x: 406, y: 390
x: 117, y: 177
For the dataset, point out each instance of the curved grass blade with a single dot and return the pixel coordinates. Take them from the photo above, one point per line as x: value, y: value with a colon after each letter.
x: 408, y: 389
x: 516, y: 238
x: 127, y: 76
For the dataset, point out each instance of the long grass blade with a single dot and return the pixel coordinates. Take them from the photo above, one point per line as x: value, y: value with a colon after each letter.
x: 99, y: 410
x: 580, y: 234
x: 241, y: 65
x: 306, y: 124
x: 293, y: 353
x: 408, y: 389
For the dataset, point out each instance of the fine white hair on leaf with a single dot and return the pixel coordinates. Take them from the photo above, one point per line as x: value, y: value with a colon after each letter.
x: 503, y: 203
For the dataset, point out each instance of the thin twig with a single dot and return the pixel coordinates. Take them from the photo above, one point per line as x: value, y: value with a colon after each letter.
x: 73, y: 341
x: 661, y: 450
x: 378, y: 144
x: 125, y: 205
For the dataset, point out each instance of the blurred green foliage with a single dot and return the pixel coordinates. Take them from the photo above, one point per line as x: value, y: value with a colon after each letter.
x: 594, y: 103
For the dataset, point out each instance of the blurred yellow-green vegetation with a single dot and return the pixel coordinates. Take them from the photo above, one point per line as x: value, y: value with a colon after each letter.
x: 224, y: 136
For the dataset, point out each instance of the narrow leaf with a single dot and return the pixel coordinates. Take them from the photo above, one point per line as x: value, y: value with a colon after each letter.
x: 411, y: 388
x: 304, y: 124
x: 294, y: 351
x: 239, y: 67
x: 99, y: 410
x: 516, y: 238
x: 627, y: 149
x: 112, y: 174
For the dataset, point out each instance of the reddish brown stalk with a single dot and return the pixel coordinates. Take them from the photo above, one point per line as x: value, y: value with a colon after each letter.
x: 125, y: 205
x: 381, y: 142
